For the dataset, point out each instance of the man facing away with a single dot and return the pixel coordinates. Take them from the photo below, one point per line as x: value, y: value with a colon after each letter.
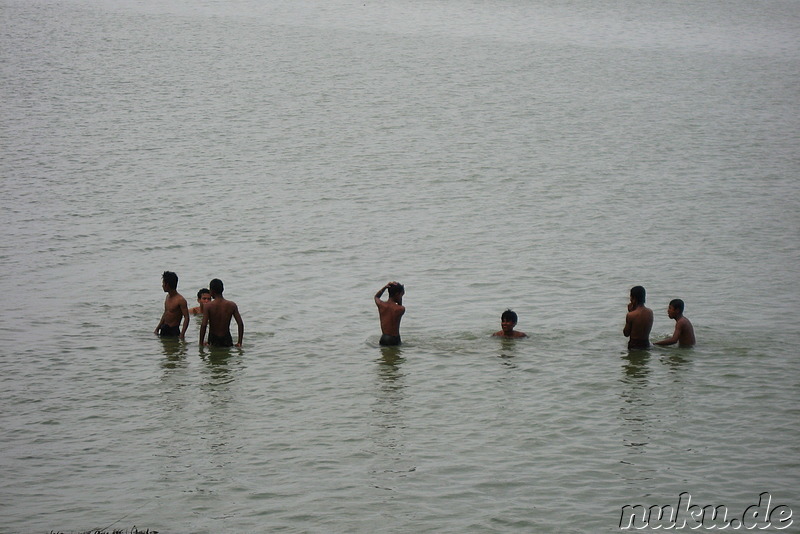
x: 175, y: 309
x: 217, y: 317
x: 203, y: 298
x: 390, y: 312
x: 684, y: 331
x: 508, y: 320
x: 638, y: 321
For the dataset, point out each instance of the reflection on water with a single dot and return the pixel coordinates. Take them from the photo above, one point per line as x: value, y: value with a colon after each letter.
x: 677, y: 361
x: 199, y: 419
x: 652, y: 413
x: 636, y: 425
x: 221, y: 363
x: 389, y: 367
x: 636, y: 368
x: 174, y: 349
x: 388, y: 425
x: 507, y: 351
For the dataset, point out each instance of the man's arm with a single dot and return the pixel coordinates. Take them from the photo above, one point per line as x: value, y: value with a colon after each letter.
x: 676, y: 335
x: 203, y: 326
x: 379, y: 294
x: 239, y: 324
x: 185, y: 311
x: 628, y: 325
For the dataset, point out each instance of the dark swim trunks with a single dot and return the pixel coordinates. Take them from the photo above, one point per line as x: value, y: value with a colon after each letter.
x: 639, y: 344
x: 388, y: 340
x: 169, y: 331
x: 220, y: 341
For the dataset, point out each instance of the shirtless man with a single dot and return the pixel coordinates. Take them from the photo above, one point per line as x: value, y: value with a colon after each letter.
x: 203, y: 298
x: 684, y: 331
x: 217, y: 317
x: 638, y: 321
x: 508, y: 320
x: 175, y: 309
x: 390, y: 312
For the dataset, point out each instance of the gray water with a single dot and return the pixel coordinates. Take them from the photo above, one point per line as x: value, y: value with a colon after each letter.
x: 536, y: 155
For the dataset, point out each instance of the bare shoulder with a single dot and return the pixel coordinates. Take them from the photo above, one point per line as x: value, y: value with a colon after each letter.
x: 644, y: 314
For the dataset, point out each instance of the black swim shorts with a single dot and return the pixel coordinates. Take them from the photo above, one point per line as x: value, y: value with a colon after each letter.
x: 220, y: 341
x: 387, y: 340
x: 169, y: 331
x: 639, y: 344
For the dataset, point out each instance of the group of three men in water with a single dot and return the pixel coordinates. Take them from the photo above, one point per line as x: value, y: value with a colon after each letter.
x: 217, y: 314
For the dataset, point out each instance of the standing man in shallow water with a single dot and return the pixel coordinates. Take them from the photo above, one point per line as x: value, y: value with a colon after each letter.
x: 638, y: 321
x: 217, y: 316
x: 390, y: 312
x: 175, y: 309
x: 684, y: 331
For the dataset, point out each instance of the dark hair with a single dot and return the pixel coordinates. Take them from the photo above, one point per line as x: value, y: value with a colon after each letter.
x: 638, y: 294
x: 395, y: 289
x: 509, y: 315
x: 171, y: 279
x: 677, y: 304
x: 216, y: 286
x: 202, y: 292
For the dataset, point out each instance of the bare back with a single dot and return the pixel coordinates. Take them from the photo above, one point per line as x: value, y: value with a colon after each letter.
x: 220, y: 311
x: 217, y: 316
x: 638, y: 323
x: 390, y: 314
x: 684, y: 331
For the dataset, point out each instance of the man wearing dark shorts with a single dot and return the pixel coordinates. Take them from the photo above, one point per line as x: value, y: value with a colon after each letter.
x: 169, y: 331
x: 220, y: 341
x: 387, y: 340
x: 217, y: 316
x: 175, y: 309
x: 638, y: 321
x: 390, y: 312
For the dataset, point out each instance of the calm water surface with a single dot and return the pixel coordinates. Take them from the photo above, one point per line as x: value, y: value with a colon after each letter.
x: 535, y: 155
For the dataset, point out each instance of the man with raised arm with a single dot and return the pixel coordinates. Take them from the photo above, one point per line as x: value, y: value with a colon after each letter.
x: 638, y: 321
x: 390, y: 312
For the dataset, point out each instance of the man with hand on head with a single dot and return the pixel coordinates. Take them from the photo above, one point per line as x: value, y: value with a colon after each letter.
x: 390, y: 312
